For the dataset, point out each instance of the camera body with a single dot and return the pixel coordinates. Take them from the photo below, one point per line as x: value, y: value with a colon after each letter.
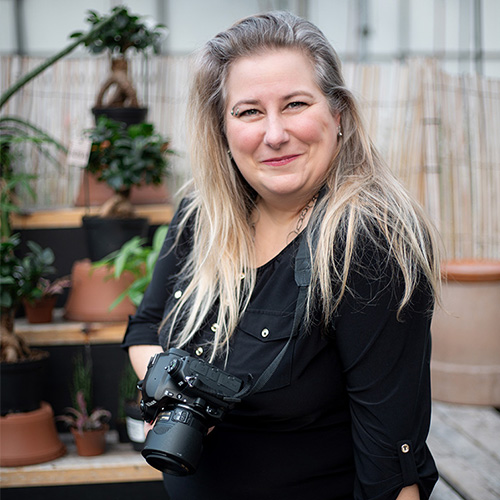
x: 184, y: 396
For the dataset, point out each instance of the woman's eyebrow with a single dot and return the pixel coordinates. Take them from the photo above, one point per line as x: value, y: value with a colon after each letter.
x: 285, y: 98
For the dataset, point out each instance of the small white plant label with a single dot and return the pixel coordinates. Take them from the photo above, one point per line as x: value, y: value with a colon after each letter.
x: 79, y: 152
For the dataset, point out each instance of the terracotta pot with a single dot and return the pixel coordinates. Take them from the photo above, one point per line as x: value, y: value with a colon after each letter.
x: 90, y: 443
x: 40, y: 311
x: 465, y: 363
x: 92, y: 293
x: 93, y: 193
x: 29, y: 438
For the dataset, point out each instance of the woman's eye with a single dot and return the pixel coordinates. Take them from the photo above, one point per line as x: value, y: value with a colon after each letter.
x: 296, y: 104
x: 249, y: 112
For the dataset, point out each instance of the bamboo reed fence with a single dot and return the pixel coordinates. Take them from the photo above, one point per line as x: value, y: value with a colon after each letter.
x: 437, y: 131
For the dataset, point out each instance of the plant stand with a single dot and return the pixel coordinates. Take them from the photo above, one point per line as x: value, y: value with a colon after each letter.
x: 29, y: 438
x: 465, y: 363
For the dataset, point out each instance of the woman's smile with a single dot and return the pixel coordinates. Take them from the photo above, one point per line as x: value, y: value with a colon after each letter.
x: 280, y: 161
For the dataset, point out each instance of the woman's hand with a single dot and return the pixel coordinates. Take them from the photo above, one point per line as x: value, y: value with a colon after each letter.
x: 409, y: 493
x: 147, y: 428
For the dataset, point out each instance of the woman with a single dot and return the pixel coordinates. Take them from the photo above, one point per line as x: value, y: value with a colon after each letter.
x: 280, y: 155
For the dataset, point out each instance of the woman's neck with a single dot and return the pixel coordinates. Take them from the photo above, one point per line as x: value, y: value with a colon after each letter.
x: 275, y: 227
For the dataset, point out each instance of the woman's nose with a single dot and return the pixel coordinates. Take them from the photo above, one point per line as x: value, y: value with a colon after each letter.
x: 276, y: 133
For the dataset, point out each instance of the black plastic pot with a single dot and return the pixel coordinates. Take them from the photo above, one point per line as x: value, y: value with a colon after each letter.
x: 22, y: 384
x: 107, y: 234
x: 129, y: 116
x: 135, y: 426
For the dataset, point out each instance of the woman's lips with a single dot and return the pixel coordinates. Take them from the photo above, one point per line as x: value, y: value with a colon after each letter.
x: 280, y: 161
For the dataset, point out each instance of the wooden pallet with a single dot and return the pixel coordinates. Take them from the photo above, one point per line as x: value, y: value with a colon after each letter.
x: 465, y: 442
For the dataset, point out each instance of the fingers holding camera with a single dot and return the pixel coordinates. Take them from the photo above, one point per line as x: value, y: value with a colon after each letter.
x: 147, y: 428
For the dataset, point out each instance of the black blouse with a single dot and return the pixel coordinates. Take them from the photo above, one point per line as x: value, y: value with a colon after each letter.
x: 347, y: 412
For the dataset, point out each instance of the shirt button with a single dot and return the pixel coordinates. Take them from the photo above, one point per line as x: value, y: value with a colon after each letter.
x: 264, y: 332
x: 199, y: 351
x: 214, y: 327
x: 178, y: 294
x: 405, y: 448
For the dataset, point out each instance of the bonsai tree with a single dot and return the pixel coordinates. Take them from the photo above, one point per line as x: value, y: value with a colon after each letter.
x: 127, y: 32
x: 125, y: 157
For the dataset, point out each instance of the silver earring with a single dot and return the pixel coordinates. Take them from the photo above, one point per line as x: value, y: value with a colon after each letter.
x: 339, y: 132
x: 230, y: 154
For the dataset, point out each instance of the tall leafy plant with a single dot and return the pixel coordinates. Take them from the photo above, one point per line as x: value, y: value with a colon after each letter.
x: 137, y: 258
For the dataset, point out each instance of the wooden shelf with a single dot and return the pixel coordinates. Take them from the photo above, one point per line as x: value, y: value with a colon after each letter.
x: 119, y: 464
x: 62, y: 332
x: 72, y: 217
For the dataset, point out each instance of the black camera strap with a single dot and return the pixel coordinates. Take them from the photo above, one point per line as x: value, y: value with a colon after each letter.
x: 302, y: 273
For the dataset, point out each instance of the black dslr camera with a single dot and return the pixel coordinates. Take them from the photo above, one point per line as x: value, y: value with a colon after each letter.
x: 186, y: 396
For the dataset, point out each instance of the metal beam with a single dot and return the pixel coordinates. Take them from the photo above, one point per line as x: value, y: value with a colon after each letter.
x: 20, y: 24
x: 478, y: 36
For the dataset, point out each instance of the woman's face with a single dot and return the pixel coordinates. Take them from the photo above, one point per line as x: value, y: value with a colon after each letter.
x: 279, y: 126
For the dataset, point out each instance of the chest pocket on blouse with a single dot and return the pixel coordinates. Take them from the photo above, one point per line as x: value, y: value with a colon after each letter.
x: 260, y: 336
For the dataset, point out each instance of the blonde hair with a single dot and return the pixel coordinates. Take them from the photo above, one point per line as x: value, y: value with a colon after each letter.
x: 363, y: 197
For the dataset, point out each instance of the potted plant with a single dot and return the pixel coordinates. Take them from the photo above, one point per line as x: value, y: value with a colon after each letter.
x: 89, y: 428
x: 26, y: 423
x: 38, y: 294
x: 124, y: 34
x: 111, y: 289
x: 122, y: 158
x: 139, y: 260
x: 13, y: 349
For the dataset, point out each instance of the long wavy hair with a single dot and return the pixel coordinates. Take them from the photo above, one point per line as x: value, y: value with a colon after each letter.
x: 362, y: 196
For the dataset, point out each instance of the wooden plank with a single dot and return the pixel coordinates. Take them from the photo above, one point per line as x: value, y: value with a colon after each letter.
x: 62, y: 332
x: 120, y: 463
x: 72, y: 217
x: 480, y: 424
x: 464, y: 460
x: 443, y: 491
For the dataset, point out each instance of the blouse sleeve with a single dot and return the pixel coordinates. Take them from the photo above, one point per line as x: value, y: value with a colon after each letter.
x: 142, y: 328
x: 386, y: 361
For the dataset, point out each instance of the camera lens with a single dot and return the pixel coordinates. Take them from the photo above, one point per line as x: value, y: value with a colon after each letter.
x: 174, y: 444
